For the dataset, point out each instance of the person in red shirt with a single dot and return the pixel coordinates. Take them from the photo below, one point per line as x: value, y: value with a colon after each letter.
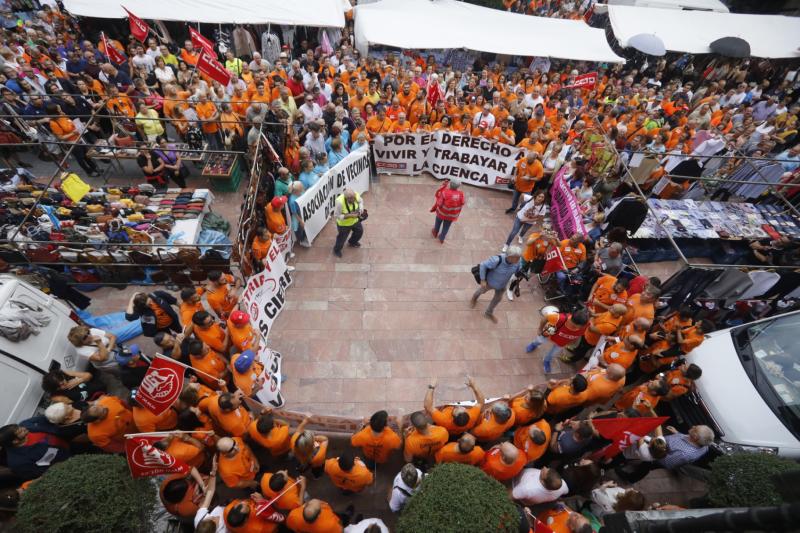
x: 503, y: 461
x: 558, y: 330
x: 447, y: 206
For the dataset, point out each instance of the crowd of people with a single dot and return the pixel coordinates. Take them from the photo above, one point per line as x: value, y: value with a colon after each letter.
x: 58, y: 82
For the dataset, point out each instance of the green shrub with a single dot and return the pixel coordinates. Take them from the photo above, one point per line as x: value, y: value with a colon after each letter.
x: 456, y: 498
x: 88, y: 493
x: 744, y: 479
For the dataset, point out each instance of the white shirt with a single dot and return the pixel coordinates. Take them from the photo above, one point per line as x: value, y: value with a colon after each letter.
x: 479, y: 117
x: 640, y: 450
x: 153, y: 53
x: 164, y: 75
x: 530, y: 212
x: 533, y: 102
x: 364, y: 524
x: 604, y: 498
x: 145, y: 61
x: 310, y: 112
x: 217, y: 512
x: 528, y: 488
x: 401, y: 492
x: 88, y: 351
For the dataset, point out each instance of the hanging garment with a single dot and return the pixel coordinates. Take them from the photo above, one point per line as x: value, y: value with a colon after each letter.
x: 685, y: 286
x: 243, y: 42
x: 288, y: 36
x: 763, y: 174
x: 789, y: 282
x: 762, y: 282
x: 270, y: 47
x: 729, y: 285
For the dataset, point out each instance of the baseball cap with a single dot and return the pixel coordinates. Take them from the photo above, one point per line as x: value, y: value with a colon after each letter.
x: 240, y: 318
x: 244, y: 361
x: 278, y: 202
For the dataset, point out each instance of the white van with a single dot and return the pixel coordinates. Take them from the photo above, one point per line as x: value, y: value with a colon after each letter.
x: 22, y: 364
x: 749, y: 392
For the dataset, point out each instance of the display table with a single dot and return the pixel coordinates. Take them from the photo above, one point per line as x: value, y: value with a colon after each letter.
x: 224, y: 171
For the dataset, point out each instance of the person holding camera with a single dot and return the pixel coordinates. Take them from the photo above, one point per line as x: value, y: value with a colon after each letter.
x: 349, y: 213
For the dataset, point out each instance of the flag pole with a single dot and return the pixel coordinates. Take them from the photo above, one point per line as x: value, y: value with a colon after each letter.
x: 276, y: 498
x: 184, y: 365
x: 158, y: 433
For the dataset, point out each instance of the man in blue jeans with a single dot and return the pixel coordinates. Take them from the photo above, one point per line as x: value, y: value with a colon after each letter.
x: 558, y: 330
x: 495, y: 273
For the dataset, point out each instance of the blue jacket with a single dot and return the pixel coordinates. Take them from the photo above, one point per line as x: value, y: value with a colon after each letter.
x: 497, y: 271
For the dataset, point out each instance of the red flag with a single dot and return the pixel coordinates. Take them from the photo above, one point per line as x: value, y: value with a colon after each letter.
x: 139, y: 28
x: 541, y: 527
x: 623, y: 432
x: 553, y: 261
x: 112, y: 53
x: 434, y: 92
x: 146, y: 460
x: 201, y: 43
x: 265, y: 511
x: 161, y: 386
x: 584, y: 81
x: 213, y: 68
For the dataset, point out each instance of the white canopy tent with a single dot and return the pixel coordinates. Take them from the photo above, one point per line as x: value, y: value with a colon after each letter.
x: 773, y: 36
x: 426, y: 24
x: 318, y: 13
x: 699, y: 5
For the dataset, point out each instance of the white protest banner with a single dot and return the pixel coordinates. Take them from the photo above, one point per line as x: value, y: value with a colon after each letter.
x: 447, y: 155
x: 316, y: 204
x: 264, y: 294
x: 270, y: 393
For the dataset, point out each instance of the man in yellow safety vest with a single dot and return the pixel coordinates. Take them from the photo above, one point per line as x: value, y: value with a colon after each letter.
x: 349, y: 212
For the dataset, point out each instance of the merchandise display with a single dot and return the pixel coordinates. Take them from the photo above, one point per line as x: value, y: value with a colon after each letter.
x: 220, y: 164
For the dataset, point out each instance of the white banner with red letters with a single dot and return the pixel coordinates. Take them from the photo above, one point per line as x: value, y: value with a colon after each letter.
x: 447, y: 155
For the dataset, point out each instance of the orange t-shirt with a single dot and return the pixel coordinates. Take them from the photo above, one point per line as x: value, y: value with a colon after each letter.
x: 212, y: 363
x: 691, y: 339
x: 64, y: 128
x: 163, y: 320
x: 572, y: 255
x: 317, y: 458
x: 109, y: 433
x: 561, y: 398
x: 232, y: 422
x: 356, y: 480
x: 375, y: 125
x: 535, y: 249
x: 533, y: 171
x: 522, y: 413
x: 188, y: 506
x: 494, y: 466
x: 253, y: 524
x: 186, y: 452
x: 424, y: 446
x: 599, y: 389
x: 289, y: 500
x: 604, y: 293
x: 533, y: 147
x: 378, y: 448
x: 326, y: 522
x: 523, y: 441
x: 678, y: 383
x: 242, y: 337
x: 221, y: 300
x: 636, y: 309
x: 639, y: 393
x: 186, y: 311
x: 449, y: 453
x: 617, y: 353
x: 605, y: 323
x: 147, y: 422
x: 234, y: 470
x: 401, y: 128
x: 489, y: 429
x: 556, y: 519
x: 260, y: 248
x: 247, y: 380
x: 444, y: 417
x: 277, y: 441
x: 275, y: 221
x: 205, y: 111
x: 213, y: 336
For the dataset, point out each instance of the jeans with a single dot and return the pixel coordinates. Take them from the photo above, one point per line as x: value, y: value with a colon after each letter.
x: 213, y: 141
x: 445, y: 226
x: 552, y: 348
x: 515, y: 199
x: 519, y: 227
x: 79, y: 152
x: 344, y: 231
x: 498, y: 295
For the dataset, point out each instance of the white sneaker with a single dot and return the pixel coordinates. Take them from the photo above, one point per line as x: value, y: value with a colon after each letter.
x: 291, y: 255
x: 291, y: 268
x: 304, y: 244
x: 520, y: 240
x: 510, y: 294
x: 505, y: 248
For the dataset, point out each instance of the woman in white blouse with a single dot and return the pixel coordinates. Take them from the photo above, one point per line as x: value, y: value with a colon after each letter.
x: 163, y: 72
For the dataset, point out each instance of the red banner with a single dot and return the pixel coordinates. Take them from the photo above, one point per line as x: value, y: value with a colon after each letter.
x: 139, y: 28
x: 161, y: 385
x: 213, y: 68
x: 112, y: 53
x: 270, y: 514
x: 434, y: 92
x: 201, y: 43
x: 584, y: 81
x: 565, y: 213
x: 623, y: 432
x: 553, y: 261
x: 145, y: 460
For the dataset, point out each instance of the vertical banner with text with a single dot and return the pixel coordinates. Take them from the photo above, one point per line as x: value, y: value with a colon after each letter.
x: 565, y: 213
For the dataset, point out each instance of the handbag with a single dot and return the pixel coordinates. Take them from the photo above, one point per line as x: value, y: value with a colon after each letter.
x: 42, y: 255
x: 476, y: 272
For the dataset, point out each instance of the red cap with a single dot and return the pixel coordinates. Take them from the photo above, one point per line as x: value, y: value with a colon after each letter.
x: 240, y: 318
x: 278, y: 202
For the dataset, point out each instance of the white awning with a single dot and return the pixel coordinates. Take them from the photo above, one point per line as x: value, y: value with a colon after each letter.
x: 700, y: 5
x: 327, y: 13
x: 693, y: 31
x: 423, y: 24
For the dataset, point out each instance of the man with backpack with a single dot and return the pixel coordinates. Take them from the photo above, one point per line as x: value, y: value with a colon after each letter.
x: 449, y: 201
x: 494, y: 274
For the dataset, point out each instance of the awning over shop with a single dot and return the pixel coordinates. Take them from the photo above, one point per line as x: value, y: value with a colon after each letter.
x: 425, y: 24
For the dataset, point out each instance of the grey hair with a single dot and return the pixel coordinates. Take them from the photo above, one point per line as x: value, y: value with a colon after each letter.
x: 615, y: 246
x: 705, y: 435
x: 454, y: 184
x: 514, y: 251
x: 409, y: 475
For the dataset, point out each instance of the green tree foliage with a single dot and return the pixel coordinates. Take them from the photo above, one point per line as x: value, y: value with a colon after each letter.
x: 457, y: 498
x: 88, y: 493
x: 744, y: 479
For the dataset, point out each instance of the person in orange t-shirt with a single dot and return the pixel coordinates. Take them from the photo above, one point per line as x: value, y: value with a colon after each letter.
x: 107, y: 421
x: 208, y: 114
x: 184, y: 447
x: 534, y: 439
x: 260, y: 245
x: 529, y: 405
x: 240, y: 516
x: 280, y: 483
x: 348, y: 473
x: 503, y: 462
x: 376, y: 439
x: 248, y: 372
x: 270, y: 433
x: 463, y: 451
x: 528, y: 173
x: 456, y: 419
x: 641, y: 305
x: 562, y: 519
x: 607, y: 291
x: 401, y: 125
x: 566, y: 394
x: 205, y: 328
x: 607, y: 324
x: 147, y: 422
x: 423, y: 439
x: 181, y: 495
x: 379, y: 123
x: 681, y: 380
x: 243, y: 336
x: 690, y: 338
x: 494, y: 421
x: 622, y: 353
x: 314, y: 517
x: 309, y: 449
x: 603, y: 384
x: 237, y: 464
x: 211, y: 366
x: 532, y: 144
x: 643, y: 398
x: 191, y: 302
x: 219, y: 294
x: 228, y: 414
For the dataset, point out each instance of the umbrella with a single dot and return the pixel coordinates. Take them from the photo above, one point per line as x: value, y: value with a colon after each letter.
x: 648, y: 43
x: 731, y: 47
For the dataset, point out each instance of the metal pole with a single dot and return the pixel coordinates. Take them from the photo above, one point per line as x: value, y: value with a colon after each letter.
x: 725, y: 156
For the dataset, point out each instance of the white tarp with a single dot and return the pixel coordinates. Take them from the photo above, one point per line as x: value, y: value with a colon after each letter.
x: 422, y: 24
x: 700, y: 5
x: 693, y: 31
x: 329, y: 13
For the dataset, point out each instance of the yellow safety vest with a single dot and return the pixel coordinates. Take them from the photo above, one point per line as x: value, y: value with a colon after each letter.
x: 348, y: 208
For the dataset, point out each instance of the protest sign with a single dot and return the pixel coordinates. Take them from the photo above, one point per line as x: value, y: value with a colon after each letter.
x: 565, y: 213
x: 139, y: 28
x: 317, y: 203
x: 161, y: 385
x: 447, y: 155
x: 208, y: 65
x: 270, y: 393
x: 264, y: 295
x: 584, y: 81
x: 145, y: 460
x: 623, y: 432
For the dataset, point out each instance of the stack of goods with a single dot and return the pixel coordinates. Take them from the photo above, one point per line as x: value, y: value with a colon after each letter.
x: 224, y: 171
